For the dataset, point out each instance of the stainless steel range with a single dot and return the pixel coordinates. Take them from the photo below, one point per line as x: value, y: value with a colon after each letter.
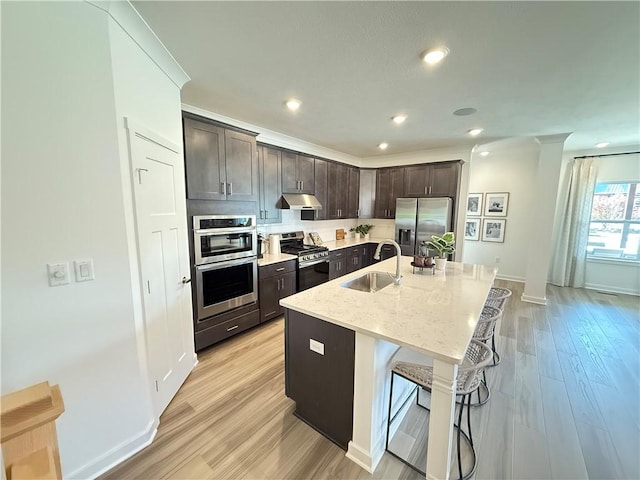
x: 313, y: 260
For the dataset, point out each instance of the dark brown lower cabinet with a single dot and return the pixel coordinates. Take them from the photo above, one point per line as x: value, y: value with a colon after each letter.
x: 354, y: 258
x: 276, y: 281
x: 337, y: 263
x: 320, y: 381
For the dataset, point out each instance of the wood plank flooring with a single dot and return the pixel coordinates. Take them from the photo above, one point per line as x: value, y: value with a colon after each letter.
x: 564, y: 404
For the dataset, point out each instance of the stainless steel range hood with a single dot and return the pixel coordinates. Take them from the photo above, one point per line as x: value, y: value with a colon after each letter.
x: 299, y: 201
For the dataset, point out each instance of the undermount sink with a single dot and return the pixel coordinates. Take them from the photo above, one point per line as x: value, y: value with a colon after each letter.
x: 369, y: 282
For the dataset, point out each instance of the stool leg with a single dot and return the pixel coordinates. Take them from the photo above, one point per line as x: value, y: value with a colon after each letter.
x: 389, y: 417
x: 458, y: 438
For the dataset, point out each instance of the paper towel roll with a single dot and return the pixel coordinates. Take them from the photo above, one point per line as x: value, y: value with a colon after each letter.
x: 274, y: 244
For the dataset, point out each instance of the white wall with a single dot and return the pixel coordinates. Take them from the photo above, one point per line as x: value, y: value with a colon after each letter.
x: 63, y: 198
x: 510, y: 167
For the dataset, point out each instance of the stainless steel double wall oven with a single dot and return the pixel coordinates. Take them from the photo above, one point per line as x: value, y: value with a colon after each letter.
x: 226, y: 265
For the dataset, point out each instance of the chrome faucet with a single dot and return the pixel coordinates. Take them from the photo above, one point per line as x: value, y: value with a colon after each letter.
x: 376, y: 256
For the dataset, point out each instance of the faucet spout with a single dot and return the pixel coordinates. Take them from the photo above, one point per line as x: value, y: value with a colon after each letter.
x: 376, y: 255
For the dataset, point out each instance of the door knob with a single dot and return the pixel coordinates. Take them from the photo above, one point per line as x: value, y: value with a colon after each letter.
x: 186, y: 280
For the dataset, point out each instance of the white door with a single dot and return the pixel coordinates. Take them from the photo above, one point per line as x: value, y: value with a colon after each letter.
x: 160, y: 206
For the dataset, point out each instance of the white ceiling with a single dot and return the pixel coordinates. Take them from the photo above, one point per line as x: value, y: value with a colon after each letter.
x: 529, y: 68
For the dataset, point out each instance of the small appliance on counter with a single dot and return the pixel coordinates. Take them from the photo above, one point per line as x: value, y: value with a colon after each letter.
x: 274, y: 244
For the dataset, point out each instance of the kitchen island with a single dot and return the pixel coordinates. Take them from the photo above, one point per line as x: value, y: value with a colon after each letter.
x: 432, y: 314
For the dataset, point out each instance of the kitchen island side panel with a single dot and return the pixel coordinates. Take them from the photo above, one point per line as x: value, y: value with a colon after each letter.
x: 321, y: 384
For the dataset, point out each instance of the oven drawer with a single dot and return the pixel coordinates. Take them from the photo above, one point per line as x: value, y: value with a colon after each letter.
x: 226, y: 329
x: 276, y: 269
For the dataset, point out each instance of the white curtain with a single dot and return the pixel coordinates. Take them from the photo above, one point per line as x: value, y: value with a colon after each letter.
x: 570, y: 255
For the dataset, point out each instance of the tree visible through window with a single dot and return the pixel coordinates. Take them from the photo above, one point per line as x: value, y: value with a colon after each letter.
x: 614, y: 231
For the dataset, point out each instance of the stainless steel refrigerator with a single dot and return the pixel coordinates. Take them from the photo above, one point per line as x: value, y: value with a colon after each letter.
x: 417, y: 219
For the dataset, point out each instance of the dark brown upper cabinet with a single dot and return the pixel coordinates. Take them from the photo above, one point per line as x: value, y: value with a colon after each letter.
x: 221, y: 163
x: 344, y: 191
x: 353, y: 193
x: 269, y: 161
x: 389, y: 186
x: 432, y: 180
x: 297, y: 173
x: 321, y: 188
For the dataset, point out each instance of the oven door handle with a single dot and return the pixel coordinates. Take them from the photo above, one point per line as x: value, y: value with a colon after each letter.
x: 225, y: 264
x: 222, y: 231
x: 311, y: 264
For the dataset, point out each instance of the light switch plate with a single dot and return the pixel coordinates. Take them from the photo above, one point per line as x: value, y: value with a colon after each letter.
x: 84, y: 270
x: 58, y: 274
x: 316, y: 346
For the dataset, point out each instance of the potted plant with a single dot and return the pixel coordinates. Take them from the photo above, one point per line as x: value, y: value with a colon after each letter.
x: 444, y: 245
x: 361, y: 230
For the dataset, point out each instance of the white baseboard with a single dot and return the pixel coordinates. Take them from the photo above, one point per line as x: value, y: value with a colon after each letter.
x: 360, y: 457
x: 609, y: 289
x: 537, y: 300
x: 117, y: 454
x: 511, y: 278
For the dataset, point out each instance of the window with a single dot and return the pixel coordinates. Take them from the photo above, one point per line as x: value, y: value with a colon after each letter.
x: 614, y: 231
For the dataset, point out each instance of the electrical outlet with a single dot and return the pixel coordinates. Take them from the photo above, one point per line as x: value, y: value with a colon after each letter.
x: 497, y: 259
x: 316, y: 346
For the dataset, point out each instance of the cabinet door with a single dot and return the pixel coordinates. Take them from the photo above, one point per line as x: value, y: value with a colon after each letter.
x: 417, y: 181
x: 204, y: 159
x: 290, y: 173
x: 354, y: 260
x: 337, y: 264
x: 270, y: 186
x: 321, y: 189
x: 269, y: 295
x: 444, y: 180
x: 241, y: 166
x: 397, y: 189
x: 337, y: 184
x: 306, y: 173
x: 287, y: 284
x: 383, y: 187
x: 337, y: 268
x: 353, y: 193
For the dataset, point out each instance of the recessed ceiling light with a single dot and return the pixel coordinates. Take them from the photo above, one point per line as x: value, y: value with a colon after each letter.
x: 474, y: 132
x: 461, y: 112
x: 602, y: 144
x: 383, y: 146
x: 484, y: 154
x: 293, y: 104
x: 435, y: 55
x: 400, y: 118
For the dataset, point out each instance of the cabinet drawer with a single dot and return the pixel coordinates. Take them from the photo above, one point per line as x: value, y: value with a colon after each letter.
x: 335, y: 254
x: 276, y: 269
x: 226, y: 329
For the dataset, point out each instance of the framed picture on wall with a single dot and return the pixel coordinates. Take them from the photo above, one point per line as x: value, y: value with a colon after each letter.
x: 493, y: 229
x: 472, y: 229
x: 474, y: 205
x: 495, y: 204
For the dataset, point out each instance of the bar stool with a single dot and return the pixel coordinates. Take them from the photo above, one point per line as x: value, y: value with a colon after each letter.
x: 497, y: 298
x: 484, y: 332
x: 419, y: 371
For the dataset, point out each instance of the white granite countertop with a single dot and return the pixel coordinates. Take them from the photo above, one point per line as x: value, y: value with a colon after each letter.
x: 349, y: 242
x: 433, y: 314
x: 269, y: 258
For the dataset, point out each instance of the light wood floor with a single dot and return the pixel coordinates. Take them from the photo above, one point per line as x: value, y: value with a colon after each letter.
x: 564, y: 404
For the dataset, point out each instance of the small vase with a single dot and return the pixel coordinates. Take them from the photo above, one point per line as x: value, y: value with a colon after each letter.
x: 356, y: 236
x: 366, y: 237
x: 441, y: 263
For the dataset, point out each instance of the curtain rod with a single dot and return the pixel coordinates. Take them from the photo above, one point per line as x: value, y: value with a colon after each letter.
x: 606, y: 155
